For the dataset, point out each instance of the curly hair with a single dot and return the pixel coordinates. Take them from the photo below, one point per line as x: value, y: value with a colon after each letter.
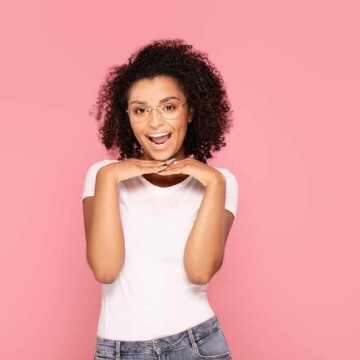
x: 200, y: 81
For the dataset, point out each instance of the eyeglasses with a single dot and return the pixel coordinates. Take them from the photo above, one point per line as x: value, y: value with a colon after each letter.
x: 169, y: 110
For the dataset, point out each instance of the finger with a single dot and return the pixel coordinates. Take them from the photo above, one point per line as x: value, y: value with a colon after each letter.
x: 154, y: 163
x: 172, y: 169
x: 172, y: 160
x: 161, y: 170
x: 153, y: 168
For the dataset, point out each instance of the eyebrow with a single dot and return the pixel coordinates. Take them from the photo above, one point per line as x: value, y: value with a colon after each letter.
x: 161, y: 101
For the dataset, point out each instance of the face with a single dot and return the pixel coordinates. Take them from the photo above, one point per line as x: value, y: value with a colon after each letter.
x: 151, y: 92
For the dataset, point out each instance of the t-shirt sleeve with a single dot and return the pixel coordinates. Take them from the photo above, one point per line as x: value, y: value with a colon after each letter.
x: 231, y: 197
x: 90, y: 178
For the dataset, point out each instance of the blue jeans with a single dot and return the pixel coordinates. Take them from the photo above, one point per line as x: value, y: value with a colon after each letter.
x: 203, y: 341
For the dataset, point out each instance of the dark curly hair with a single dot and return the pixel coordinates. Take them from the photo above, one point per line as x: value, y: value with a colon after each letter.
x: 200, y: 81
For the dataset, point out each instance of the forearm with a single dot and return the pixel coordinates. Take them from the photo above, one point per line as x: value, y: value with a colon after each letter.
x: 105, y: 246
x: 204, y: 250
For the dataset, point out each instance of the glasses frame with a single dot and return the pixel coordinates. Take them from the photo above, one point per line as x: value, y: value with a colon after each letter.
x: 149, y: 109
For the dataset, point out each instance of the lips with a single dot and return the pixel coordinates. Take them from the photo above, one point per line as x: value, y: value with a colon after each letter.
x: 160, y: 139
x: 160, y: 143
x: 158, y: 134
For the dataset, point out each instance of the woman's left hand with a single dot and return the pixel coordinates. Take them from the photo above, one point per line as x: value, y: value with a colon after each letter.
x: 190, y: 166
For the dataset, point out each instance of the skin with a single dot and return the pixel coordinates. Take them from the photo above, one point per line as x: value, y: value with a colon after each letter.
x: 205, y: 247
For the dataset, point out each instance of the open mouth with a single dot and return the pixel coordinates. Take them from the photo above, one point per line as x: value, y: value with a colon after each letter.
x: 159, y: 140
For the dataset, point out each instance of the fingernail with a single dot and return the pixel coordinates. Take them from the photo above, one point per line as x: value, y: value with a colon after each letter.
x: 164, y: 164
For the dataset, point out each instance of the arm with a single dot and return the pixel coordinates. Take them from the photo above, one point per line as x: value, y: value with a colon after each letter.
x: 105, y: 249
x: 204, y: 251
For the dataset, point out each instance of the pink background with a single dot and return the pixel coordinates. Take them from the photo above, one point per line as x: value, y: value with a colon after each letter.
x: 289, y: 287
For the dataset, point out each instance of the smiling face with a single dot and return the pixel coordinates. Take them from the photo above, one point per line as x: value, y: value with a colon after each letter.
x: 151, y: 92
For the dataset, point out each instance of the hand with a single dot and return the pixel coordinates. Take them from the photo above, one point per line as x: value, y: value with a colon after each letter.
x: 126, y: 169
x: 202, y: 172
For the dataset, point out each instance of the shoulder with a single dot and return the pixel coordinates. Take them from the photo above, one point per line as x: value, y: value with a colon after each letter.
x: 94, y: 167
x: 90, y: 177
x: 230, y: 179
x: 232, y: 190
x: 226, y: 172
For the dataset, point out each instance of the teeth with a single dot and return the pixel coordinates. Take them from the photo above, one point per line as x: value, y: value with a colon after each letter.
x: 159, y: 135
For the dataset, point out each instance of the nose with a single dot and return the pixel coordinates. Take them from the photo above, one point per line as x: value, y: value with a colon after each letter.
x: 155, y: 119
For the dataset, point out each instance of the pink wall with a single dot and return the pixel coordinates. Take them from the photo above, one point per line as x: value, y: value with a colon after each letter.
x: 289, y: 287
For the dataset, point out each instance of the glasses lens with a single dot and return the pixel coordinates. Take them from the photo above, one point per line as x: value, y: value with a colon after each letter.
x: 170, y: 109
x: 138, y: 112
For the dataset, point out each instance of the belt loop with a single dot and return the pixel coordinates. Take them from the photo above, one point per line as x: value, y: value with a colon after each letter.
x: 193, y: 344
x: 117, y: 349
x: 155, y: 348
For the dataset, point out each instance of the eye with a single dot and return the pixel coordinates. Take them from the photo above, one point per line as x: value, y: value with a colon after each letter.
x: 170, y: 107
x: 140, y: 110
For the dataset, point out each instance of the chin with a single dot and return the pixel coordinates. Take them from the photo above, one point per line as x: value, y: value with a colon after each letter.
x: 159, y: 157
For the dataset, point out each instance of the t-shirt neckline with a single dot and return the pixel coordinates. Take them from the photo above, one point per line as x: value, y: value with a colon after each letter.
x: 165, y: 188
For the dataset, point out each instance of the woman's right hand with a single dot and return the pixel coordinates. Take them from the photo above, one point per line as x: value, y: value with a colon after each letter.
x: 127, y: 169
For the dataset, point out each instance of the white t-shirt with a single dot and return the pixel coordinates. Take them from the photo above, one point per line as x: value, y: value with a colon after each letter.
x: 152, y: 296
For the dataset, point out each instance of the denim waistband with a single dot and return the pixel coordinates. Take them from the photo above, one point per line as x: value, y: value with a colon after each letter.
x: 158, y: 345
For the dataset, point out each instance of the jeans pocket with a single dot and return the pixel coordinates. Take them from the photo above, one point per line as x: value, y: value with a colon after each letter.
x: 213, y: 346
x: 103, y: 355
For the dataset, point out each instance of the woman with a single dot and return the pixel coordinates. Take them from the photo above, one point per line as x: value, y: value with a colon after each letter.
x: 157, y: 218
